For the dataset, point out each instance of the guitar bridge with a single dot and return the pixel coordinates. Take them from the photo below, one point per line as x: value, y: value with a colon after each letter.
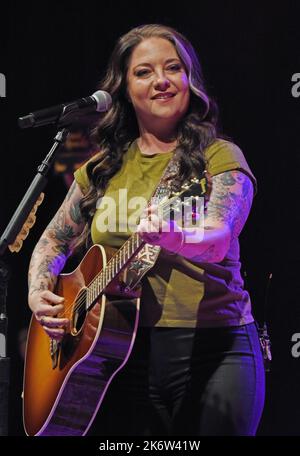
x: 54, y: 352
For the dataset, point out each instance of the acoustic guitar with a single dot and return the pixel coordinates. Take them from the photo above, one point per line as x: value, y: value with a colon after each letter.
x: 65, y: 382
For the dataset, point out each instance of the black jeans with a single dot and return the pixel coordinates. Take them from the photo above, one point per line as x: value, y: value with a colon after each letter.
x: 185, y: 381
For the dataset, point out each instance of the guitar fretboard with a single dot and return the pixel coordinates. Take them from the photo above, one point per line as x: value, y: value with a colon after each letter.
x: 112, y: 268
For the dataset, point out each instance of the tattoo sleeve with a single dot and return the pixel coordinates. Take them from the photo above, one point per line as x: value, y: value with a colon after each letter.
x: 230, y: 200
x: 227, y: 212
x: 55, y: 245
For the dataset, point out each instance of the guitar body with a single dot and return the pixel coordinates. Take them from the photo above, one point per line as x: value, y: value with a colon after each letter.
x: 65, y: 383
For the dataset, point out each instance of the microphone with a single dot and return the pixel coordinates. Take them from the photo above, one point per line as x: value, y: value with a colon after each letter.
x: 100, y: 101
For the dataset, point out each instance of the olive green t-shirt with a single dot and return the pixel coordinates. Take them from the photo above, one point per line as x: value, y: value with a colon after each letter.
x: 177, y: 292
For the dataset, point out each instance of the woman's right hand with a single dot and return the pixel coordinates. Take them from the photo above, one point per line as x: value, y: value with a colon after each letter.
x: 45, y: 305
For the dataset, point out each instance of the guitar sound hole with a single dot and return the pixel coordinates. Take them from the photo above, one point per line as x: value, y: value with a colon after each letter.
x: 79, y: 313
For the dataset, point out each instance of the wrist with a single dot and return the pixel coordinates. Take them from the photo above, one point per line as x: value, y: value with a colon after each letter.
x: 41, y: 285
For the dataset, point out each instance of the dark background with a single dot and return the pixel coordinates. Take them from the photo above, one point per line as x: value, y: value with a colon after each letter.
x: 51, y: 53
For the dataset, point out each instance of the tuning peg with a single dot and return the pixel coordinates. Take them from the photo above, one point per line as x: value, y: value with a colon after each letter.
x: 185, y: 186
x: 195, y: 180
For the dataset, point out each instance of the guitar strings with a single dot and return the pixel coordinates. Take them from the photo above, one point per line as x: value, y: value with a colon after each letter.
x: 80, y: 304
x: 82, y: 301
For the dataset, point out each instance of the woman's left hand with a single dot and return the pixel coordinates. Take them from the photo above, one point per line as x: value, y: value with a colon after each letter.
x: 154, y: 230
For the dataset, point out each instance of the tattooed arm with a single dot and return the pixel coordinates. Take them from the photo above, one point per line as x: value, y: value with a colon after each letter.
x: 55, y: 244
x: 227, y: 212
x: 47, y: 261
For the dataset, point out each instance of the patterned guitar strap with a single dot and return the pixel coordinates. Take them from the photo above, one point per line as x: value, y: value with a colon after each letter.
x: 145, y: 259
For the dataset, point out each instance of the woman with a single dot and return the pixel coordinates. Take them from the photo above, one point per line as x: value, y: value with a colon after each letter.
x: 196, y: 366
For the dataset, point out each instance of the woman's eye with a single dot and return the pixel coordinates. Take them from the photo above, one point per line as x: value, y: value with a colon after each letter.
x: 175, y: 67
x: 140, y: 73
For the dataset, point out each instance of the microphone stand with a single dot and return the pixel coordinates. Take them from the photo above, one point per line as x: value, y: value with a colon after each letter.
x: 8, y: 237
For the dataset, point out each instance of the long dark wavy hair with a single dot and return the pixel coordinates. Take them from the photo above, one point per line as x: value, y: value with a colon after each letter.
x: 197, y: 129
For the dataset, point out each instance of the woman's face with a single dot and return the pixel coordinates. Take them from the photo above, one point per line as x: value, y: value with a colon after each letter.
x: 157, y: 83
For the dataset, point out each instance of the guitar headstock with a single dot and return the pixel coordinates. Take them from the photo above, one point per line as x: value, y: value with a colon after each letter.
x: 189, y: 196
x: 194, y: 187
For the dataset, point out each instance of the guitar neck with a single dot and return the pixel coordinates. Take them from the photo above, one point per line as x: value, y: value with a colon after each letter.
x: 114, y: 266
